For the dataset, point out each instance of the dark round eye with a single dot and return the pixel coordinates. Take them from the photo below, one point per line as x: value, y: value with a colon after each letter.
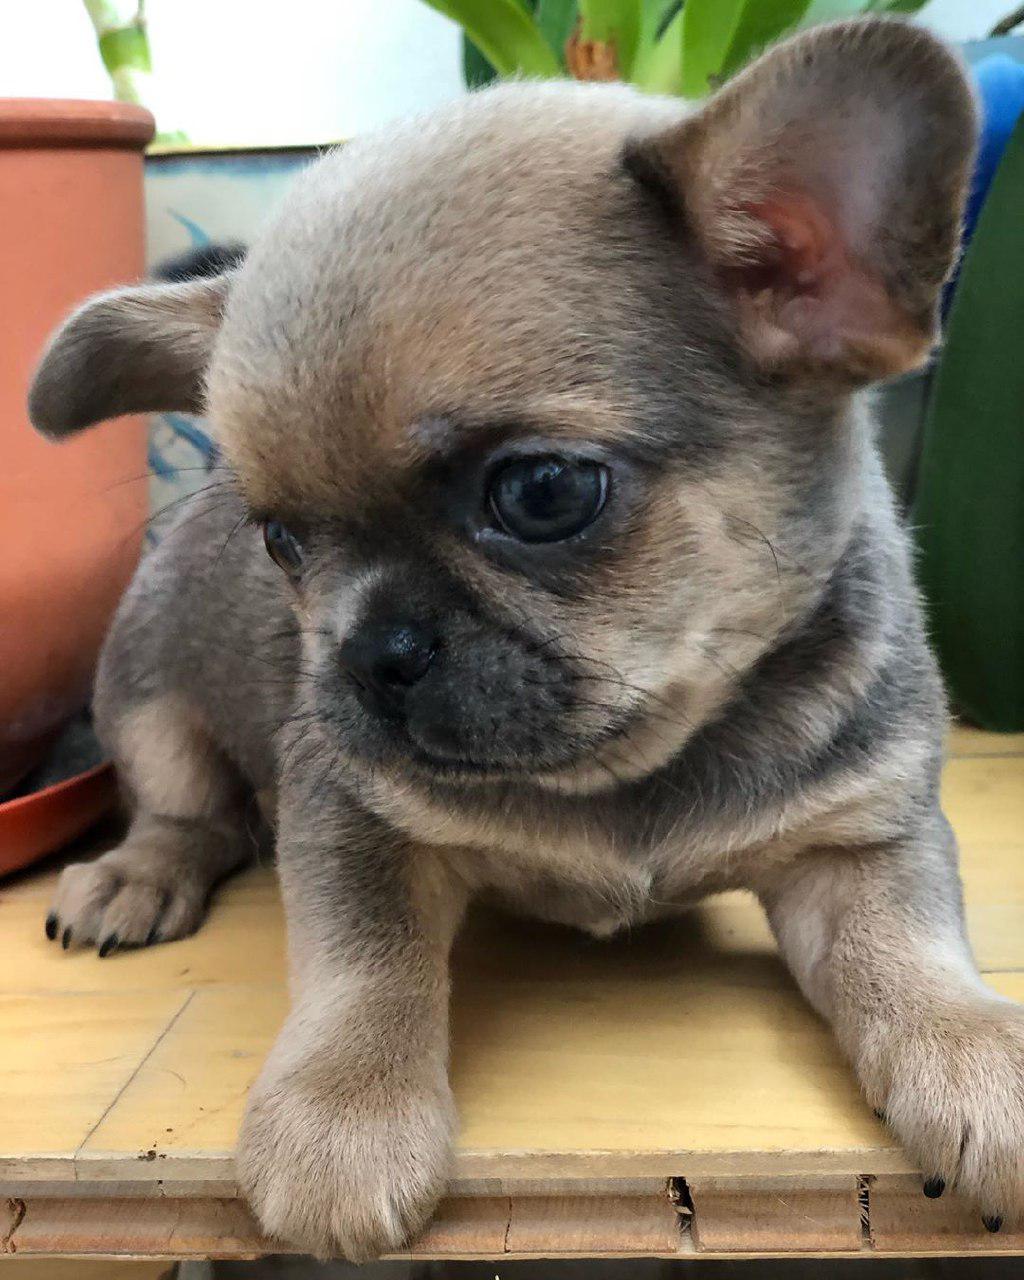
x: 547, y: 499
x: 282, y: 547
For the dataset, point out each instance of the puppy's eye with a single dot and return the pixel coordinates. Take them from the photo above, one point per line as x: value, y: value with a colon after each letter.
x: 282, y: 547
x: 547, y: 499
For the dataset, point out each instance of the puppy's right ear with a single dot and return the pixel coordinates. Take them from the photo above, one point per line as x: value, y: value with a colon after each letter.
x: 824, y: 188
x: 141, y: 349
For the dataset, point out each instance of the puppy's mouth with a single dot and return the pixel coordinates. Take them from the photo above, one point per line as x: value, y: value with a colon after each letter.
x: 434, y: 752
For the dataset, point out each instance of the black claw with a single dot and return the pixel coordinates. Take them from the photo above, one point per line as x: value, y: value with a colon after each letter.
x: 65, y: 940
x: 108, y: 944
x: 51, y: 925
x: 880, y: 1115
x: 934, y: 1188
x: 151, y: 936
x: 992, y: 1222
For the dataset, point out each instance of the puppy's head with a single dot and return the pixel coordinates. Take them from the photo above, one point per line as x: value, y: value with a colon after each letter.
x: 542, y: 404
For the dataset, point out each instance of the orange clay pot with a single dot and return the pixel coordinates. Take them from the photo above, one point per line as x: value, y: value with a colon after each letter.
x: 73, y: 514
x: 34, y: 825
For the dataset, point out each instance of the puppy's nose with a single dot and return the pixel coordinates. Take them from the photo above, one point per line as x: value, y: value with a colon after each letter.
x: 387, y: 658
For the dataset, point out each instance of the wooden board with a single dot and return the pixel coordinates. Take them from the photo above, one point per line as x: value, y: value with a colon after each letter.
x: 582, y: 1069
x: 36, y: 1268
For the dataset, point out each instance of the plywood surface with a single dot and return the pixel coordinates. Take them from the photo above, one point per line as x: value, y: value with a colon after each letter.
x: 685, y: 1048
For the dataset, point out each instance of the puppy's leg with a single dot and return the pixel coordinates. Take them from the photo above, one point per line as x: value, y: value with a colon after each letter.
x: 876, y: 939
x: 346, y: 1140
x: 187, y: 831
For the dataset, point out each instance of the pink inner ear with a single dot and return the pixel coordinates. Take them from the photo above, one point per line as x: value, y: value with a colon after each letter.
x: 804, y: 297
x: 802, y: 249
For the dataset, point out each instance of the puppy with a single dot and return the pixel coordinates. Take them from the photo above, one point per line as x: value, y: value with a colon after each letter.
x: 553, y: 558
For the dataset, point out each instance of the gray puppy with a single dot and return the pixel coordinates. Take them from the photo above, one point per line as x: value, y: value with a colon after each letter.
x: 584, y: 587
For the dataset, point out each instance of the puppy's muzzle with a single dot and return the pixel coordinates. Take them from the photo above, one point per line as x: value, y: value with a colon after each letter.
x: 385, y: 659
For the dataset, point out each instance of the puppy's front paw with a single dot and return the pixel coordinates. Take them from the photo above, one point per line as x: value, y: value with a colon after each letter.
x: 340, y: 1171
x: 127, y: 898
x: 952, y: 1088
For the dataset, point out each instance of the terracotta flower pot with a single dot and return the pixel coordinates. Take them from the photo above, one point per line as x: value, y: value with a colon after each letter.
x: 73, y: 514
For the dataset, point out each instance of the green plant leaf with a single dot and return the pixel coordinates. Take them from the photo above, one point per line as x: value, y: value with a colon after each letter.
x: 556, y: 19
x: 614, y: 22
x: 899, y: 6
x: 655, y: 16
x: 833, y: 10
x: 505, y: 33
x: 657, y: 66
x: 721, y: 36
x: 476, y: 70
x: 968, y: 511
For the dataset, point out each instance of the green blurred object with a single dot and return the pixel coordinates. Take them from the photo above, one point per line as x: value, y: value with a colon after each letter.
x: 720, y: 37
x: 506, y: 33
x: 615, y: 23
x: 969, y: 508
x: 476, y: 70
x: 663, y: 46
x: 556, y: 19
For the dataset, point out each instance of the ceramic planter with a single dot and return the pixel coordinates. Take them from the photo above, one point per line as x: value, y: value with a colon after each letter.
x: 71, y: 194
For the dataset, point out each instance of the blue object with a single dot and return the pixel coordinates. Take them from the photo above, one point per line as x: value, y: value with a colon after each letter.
x: 999, y: 80
x: 1000, y: 83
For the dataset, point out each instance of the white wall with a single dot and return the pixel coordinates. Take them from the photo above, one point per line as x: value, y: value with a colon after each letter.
x: 246, y: 71
x: 249, y: 71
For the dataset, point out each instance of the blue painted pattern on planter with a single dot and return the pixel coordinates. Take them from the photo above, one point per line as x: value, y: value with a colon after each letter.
x: 193, y: 199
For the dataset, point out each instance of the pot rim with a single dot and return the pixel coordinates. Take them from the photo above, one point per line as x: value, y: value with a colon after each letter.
x: 74, y: 122
x: 21, y: 803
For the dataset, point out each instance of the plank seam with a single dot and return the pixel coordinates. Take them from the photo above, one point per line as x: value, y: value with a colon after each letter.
x: 18, y: 1210
x: 139, y: 1065
x: 681, y: 1199
x: 867, y: 1238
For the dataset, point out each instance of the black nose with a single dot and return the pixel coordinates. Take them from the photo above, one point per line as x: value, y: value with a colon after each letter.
x: 387, y: 658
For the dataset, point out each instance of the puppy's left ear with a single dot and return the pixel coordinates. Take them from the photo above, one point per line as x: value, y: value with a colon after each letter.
x: 140, y: 349
x: 824, y: 187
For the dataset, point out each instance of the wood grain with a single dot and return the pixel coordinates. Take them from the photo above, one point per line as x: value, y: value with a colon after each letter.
x: 64, y: 1059
x: 83, y: 1269
x: 599, y: 1226
x: 904, y: 1220
x: 779, y: 1215
x: 156, y: 1227
x: 965, y: 740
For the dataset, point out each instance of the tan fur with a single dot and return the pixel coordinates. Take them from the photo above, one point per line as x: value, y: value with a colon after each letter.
x: 183, y: 838
x: 936, y: 1050
x: 173, y: 763
x: 355, y: 1089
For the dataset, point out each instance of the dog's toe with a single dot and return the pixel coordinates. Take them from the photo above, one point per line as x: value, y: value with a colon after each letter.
x: 83, y: 891
x: 106, y: 905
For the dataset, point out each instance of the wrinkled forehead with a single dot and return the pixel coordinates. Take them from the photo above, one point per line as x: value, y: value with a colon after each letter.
x: 481, y: 268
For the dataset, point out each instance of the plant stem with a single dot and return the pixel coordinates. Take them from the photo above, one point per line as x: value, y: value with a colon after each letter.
x: 123, y: 40
x: 124, y: 45
x: 1005, y: 25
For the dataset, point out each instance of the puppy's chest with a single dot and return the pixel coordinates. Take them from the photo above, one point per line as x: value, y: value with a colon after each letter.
x: 584, y: 871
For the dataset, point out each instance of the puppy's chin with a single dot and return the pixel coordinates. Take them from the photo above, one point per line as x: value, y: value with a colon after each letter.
x: 626, y: 750
x: 437, y: 753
